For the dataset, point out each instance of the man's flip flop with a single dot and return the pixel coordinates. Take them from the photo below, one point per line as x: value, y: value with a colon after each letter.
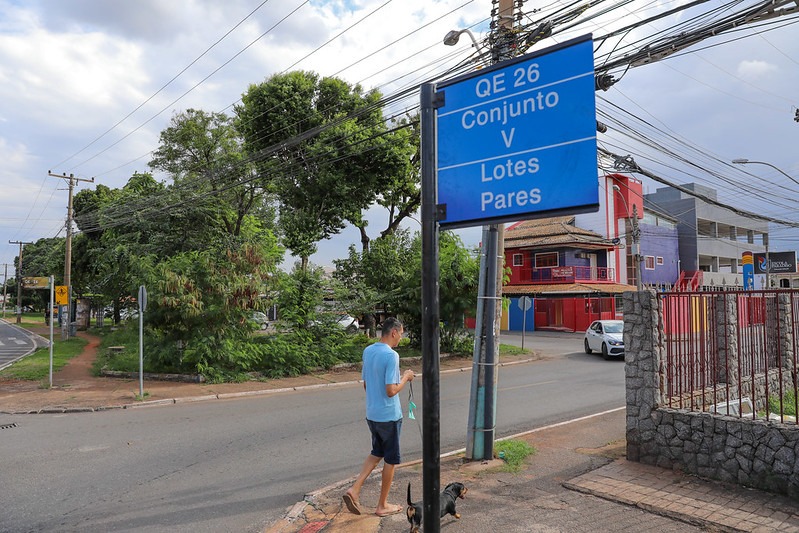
x: 389, y: 513
x: 351, y: 504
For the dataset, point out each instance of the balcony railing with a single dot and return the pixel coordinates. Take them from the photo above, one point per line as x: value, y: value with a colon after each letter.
x: 569, y: 274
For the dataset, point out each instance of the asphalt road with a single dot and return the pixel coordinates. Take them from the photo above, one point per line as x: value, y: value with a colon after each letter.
x: 13, y: 344
x: 237, y: 465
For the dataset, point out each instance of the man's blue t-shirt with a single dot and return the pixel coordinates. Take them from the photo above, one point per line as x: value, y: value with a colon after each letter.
x: 380, y: 368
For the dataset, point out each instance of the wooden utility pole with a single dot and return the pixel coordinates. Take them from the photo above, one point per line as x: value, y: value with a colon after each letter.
x: 19, y: 281
x: 5, y: 285
x: 71, y: 181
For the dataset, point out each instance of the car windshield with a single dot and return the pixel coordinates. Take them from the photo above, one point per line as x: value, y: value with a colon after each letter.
x: 614, y: 327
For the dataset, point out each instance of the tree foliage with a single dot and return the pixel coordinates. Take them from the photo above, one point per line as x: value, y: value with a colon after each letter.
x: 390, y: 272
x: 201, y: 302
x: 325, y: 145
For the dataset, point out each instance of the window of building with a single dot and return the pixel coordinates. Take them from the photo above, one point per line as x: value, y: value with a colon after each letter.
x: 649, y: 262
x: 660, y: 260
x: 518, y: 260
x: 546, y: 260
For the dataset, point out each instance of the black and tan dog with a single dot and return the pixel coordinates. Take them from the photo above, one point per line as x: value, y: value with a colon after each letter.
x: 447, y: 499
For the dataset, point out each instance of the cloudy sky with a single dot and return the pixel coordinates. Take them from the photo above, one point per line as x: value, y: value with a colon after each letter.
x: 87, y: 85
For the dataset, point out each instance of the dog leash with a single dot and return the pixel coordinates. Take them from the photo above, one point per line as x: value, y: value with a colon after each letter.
x: 411, y: 407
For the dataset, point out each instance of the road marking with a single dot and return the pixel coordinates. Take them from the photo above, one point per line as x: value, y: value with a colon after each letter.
x: 87, y: 449
x: 529, y: 385
x: 544, y: 428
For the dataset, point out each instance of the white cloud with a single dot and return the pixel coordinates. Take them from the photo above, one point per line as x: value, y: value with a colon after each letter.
x: 755, y: 70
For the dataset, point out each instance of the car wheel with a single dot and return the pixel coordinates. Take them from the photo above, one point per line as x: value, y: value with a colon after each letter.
x: 264, y: 325
x: 352, y: 328
x: 587, y: 346
x: 605, y: 354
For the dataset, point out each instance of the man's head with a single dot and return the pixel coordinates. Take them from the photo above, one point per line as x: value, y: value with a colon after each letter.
x: 392, y: 331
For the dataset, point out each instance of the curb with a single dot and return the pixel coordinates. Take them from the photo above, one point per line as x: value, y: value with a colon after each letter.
x: 223, y: 395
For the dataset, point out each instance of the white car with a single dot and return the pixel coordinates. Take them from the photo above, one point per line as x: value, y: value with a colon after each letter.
x: 348, y: 323
x: 606, y: 336
x: 260, y: 320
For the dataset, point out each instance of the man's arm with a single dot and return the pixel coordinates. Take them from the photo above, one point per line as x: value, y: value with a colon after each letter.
x: 392, y: 389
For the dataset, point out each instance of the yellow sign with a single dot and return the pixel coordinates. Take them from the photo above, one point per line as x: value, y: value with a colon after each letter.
x: 36, y: 283
x: 61, y: 295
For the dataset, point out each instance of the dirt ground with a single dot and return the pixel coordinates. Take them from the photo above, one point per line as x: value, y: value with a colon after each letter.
x: 74, y: 387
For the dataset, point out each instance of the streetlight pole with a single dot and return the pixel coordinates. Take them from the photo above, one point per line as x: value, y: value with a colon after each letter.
x: 744, y: 161
x: 482, y: 402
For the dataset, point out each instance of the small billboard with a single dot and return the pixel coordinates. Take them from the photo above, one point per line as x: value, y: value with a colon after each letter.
x: 778, y: 263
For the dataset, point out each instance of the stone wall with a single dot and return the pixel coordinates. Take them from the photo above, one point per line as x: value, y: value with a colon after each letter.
x: 751, y: 452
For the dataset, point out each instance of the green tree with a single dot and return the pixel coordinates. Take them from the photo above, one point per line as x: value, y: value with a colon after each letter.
x: 400, y: 193
x: 388, y: 276
x: 325, y: 145
x: 202, y: 153
x: 115, y: 233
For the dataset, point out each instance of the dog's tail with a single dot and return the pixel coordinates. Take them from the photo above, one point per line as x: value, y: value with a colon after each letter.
x: 409, y: 494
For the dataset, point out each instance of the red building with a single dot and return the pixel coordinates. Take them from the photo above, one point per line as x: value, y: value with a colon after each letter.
x: 565, y: 270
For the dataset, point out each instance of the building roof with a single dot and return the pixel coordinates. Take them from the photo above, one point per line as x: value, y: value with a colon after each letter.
x: 553, y: 232
x: 566, y: 288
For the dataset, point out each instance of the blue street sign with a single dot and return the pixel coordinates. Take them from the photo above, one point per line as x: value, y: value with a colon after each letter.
x: 518, y: 140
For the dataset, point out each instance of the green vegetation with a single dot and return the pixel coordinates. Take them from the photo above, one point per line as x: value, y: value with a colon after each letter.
x: 509, y: 349
x: 788, y: 403
x: 513, y: 452
x: 36, y: 367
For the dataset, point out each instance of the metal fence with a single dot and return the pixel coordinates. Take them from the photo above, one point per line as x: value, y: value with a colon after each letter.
x: 732, y: 352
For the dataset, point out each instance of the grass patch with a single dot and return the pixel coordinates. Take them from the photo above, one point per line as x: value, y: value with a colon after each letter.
x: 513, y: 452
x: 509, y: 349
x: 36, y: 366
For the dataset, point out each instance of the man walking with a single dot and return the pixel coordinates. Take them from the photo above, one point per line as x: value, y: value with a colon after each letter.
x: 382, y: 382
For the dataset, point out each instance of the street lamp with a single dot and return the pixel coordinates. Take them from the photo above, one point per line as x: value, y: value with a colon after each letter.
x: 452, y: 37
x: 743, y: 161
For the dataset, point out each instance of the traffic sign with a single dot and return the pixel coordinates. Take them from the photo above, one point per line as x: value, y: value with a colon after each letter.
x: 518, y: 140
x: 61, y: 295
x: 525, y: 303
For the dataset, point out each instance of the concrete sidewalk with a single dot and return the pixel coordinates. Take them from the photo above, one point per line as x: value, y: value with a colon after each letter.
x: 578, y: 480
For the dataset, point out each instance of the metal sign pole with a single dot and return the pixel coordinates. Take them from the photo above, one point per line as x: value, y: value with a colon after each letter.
x: 142, y: 307
x: 431, y: 466
x: 50, y: 312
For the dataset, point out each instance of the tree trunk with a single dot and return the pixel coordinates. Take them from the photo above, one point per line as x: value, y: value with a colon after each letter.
x: 370, y: 325
x: 364, y: 239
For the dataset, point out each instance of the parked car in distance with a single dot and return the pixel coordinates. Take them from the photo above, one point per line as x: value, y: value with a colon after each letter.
x: 260, y: 319
x: 349, y: 323
x: 605, y: 336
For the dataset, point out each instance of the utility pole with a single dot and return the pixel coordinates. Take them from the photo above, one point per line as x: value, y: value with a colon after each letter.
x: 482, y: 411
x: 5, y: 285
x: 71, y: 181
x: 19, y: 281
x: 636, y: 234
x: 768, y: 263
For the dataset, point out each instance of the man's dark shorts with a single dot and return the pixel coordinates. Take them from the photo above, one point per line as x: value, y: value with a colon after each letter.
x: 386, y: 440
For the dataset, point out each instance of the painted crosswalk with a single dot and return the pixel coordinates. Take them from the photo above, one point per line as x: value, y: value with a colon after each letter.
x: 13, y: 340
x: 14, y: 344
